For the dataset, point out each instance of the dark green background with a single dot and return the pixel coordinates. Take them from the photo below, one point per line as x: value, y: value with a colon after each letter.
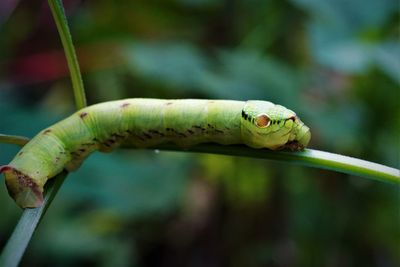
x: 335, y: 62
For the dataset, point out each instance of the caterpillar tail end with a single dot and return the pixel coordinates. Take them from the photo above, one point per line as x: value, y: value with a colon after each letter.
x: 22, y: 188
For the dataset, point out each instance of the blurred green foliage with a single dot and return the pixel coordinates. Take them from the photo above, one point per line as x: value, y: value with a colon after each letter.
x: 335, y: 62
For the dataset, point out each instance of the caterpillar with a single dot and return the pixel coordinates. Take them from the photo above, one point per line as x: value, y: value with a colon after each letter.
x: 146, y: 123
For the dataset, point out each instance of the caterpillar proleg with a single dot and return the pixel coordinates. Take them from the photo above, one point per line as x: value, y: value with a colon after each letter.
x: 147, y: 123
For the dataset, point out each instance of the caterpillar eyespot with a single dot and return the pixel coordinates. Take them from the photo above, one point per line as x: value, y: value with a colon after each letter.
x: 263, y: 120
x: 147, y: 123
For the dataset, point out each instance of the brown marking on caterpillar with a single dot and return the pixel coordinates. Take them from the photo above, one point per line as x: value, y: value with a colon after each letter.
x: 219, y: 131
x: 20, y: 153
x: 5, y: 168
x: 139, y: 137
x: 74, y: 154
x: 57, y: 159
x: 88, y: 144
x: 198, y: 127
x: 83, y: 114
x: 23, y: 182
x: 168, y: 103
x: 156, y: 132
x: 124, y: 105
x: 135, y: 135
x: 147, y: 135
x: 117, y: 135
x: 46, y: 131
x: 175, y: 132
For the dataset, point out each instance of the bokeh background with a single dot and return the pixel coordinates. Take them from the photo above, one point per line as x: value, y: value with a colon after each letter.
x: 336, y: 62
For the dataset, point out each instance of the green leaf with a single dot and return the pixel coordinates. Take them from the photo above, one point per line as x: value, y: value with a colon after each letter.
x: 19, y: 240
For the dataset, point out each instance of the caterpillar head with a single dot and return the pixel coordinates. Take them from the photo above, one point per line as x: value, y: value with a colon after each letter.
x: 266, y: 125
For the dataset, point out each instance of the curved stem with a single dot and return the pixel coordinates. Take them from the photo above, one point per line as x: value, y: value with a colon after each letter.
x: 61, y: 21
x: 308, y: 157
x: 22, y: 234
x: 27, y: 224
x: 16, y: 245
x: 13, y: 139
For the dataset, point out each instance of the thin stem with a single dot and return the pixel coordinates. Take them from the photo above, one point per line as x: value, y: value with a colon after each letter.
x: 27, y: 224
x: 13, y: 139
x: 308, y: 157
x: 18, y: 242
x: 58, y: 12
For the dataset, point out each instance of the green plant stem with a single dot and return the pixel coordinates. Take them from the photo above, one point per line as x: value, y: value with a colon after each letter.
x: 18, y: 242
x: 12, y: 253
x: 308, y: 157
x: 58, y: 12
x: 27, y: 224
x: 13, y: 139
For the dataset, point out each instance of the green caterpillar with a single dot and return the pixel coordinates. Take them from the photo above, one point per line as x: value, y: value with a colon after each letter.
x: 147, y: 123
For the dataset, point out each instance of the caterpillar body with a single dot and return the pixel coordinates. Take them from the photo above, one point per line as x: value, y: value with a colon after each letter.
x: 147, y: 123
